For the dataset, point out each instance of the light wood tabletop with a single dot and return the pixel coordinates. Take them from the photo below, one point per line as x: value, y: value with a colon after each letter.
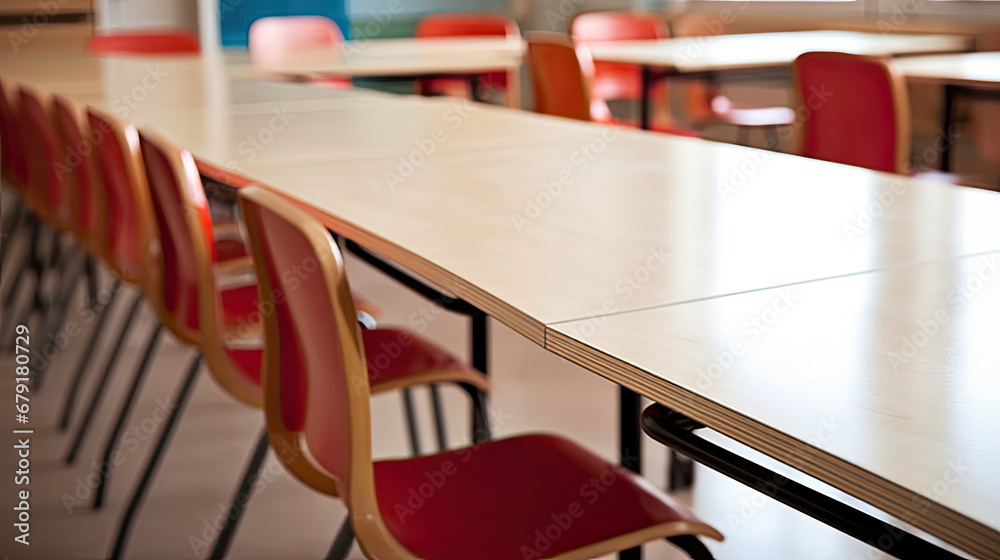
x: 409, y: 58
x: 765, y: 50
x: 980, y: 69
x: 405, y: 57
x: 882, y: 384
x: 541, y: 222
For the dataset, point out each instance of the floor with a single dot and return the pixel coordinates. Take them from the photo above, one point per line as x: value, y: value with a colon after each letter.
x: 534, y: 391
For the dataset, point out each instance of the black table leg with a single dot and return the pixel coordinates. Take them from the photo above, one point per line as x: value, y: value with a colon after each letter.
x: 946, y: 126
x: 630, y: 446
x: 644, y: 104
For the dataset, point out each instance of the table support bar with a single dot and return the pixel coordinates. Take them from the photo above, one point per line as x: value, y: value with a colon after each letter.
x: 677, y: 432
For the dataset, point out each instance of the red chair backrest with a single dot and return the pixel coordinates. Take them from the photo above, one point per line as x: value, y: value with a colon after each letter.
x: 852, y: 109
x: 79, y: 157
x: 560, y: 73
x: 129, y: 236
x: 466, y: 25
x: 613, y: 80
x: 184, y: 230
x: 151, y: 41
x: 13, y: 161
x: 315, y: 378
x: 276, y: 38
x: 595, y: 27
x: 48, y: 175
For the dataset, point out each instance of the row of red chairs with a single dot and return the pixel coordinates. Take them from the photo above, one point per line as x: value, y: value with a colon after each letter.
x: 136, y: 203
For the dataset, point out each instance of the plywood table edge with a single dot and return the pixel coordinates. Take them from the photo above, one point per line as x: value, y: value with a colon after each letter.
x: 960, y: 530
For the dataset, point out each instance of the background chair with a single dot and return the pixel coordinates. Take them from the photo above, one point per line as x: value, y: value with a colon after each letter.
x: 492, y: 497
x: 562, y: 74
x: 614, y: 81
x: 864, y: 122
x: 276, y: 39
x: 464, y: 25
x: 153, y: 41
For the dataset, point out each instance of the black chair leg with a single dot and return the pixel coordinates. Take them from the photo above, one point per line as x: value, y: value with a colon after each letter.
x: 95, y: 400
x: 81, y: 368
x: 154, y: 460
x: 343, y: 543
x: 411, y: 421
x: 680, y: 474
x: 242, y: 498
x: 439, y: 430
x: 692, y: 546
x: 30, y: 229
x: 56, y: 315
x: 481, y: 430
x: 106, y: 466
x: 10, y: 229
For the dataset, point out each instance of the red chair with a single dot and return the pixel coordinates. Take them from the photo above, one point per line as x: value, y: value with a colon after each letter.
x: 613, y: 80
x: 222, y: 319
x: 464, y: 25
x: 562, y: 74
x: 52, y: 188
x: 491, y: 501
x: 864, y: 122
x: 276, y: 39
x: 158, y: 41
x: 88, y: 203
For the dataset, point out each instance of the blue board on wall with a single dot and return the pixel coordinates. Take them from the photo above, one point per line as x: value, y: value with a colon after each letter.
x: 235, y: 16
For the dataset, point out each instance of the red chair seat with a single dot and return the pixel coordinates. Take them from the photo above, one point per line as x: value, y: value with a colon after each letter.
x: 759, y: 116
x: 552, y: 496
x: 229, y: 249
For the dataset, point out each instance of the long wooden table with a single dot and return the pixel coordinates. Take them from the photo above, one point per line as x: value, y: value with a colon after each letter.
x: 407, y: 59
x: 757, y: 53
x: 643, y: 256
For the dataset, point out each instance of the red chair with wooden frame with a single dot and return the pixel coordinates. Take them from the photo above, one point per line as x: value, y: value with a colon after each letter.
x: 864, y: 122
x: 152, y: 41
x: 277, y: 39
x: 14, y: 175
x: 490, y: 501
x: 14, y: 163
x: 49, y: 194
x: 223, y: 323
x: 465, y: 25
x: 562, y: 73
x: 613, y: 80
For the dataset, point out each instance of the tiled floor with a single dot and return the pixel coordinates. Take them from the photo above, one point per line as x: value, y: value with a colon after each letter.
x: 534, y: 391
